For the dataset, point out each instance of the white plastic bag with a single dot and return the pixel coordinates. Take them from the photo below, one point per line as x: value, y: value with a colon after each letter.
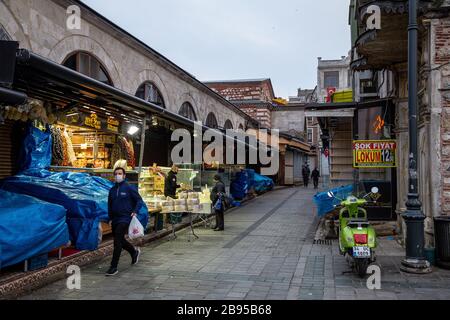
x: 135, y: 230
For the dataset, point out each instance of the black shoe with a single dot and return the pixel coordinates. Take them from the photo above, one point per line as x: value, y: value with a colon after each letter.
x: 215, y: 227
x: 135, y: 259
x: 111, y: 272
x: 218, y: 229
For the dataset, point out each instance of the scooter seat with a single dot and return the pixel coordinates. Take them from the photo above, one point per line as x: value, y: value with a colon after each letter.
x: 354, y: 223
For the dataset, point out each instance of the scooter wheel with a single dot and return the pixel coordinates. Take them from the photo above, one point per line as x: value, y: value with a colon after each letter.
x: 361, y: 267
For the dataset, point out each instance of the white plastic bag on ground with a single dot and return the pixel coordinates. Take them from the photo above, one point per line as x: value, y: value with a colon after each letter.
x: 135, y: 230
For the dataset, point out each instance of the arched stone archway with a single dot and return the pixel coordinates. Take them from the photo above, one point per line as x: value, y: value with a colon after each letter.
x: 74, y: 43
x: 151, y: 76
x: 13, y: 27
x: 187, y: 97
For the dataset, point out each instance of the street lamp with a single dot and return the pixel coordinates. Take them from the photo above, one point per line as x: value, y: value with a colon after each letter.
x: 414, y: 261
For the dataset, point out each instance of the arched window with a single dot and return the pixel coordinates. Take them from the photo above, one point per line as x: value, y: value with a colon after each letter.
x: 228, y: 125
x: 187, y: 111
x: 211, y: 121
x: 88, y: 65
x: 241, y: 126
x: 149, y: 92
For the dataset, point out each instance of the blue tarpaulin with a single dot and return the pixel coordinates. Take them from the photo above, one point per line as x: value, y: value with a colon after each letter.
x: 85, y: 198
x: 247, y: 179
x: 325, y: 204
x: 29, y: 227
x: 239, y: 186
x: 36, y: 150
x: 262, y: 183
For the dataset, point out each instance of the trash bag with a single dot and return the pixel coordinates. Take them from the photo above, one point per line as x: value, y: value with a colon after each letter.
x: 135, y: 230
x: 261, y: 183
x: 36, y: 150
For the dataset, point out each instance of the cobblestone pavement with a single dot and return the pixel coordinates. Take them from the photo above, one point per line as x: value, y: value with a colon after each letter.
x: 265, y: 252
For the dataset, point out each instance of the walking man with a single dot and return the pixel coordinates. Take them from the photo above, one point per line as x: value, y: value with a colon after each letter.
x: 315, y: 177
x: 305, y: 173
x: 218, y: 193
x: 123, y: 203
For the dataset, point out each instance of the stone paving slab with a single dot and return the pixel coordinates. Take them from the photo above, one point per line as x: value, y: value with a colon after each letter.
x: 265, y: 252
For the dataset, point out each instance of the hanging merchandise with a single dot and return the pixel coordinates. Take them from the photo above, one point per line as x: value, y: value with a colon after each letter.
x: 57, y: 146
x: 116, y: 153
x: 129, y: 153
x: 65, y: 162
x: 70, y: 152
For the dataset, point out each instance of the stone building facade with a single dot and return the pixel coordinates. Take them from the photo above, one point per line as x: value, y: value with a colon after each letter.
x: 253, y: 96
x: 40, y: 26
x: 375, y: 50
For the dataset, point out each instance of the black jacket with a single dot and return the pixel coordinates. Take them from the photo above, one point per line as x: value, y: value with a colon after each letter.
x: 170, y: 184
x: 123, y: 200
x: 218, y: 188
x: 315, y: 174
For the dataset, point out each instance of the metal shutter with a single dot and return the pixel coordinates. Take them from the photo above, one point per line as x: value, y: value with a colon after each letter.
x: 8, y: 150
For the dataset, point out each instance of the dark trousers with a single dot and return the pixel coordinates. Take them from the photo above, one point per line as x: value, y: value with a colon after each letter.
x: 305, y: 181
x: 220, y: 220
x: 119, y: 231
x: 316, y: 183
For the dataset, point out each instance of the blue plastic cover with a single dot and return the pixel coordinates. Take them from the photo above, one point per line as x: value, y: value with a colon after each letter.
x: 29, y: 227
x: 36, y: 149
x: 326, y: 204
x: 262, y: 183
x: 84, y: 196
x: 239, y: 186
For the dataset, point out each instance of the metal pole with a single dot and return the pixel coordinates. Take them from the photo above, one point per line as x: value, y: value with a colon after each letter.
x: 141, y: 153
x: 415, y: 261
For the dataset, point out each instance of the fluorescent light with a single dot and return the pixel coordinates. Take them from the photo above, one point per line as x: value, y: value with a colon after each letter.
x: 132, y: 129
x: 108, y: 114
x: 102, y: 108
x: 71, y: 114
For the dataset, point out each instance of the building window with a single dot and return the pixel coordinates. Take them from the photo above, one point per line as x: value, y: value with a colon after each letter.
x: 88, y: 65
x: 310, y: 135
x: 241, y: 127
x: 331, y: 79
x: 187, y: 111
x: 368, y: 86
x: 228, y: 125
x: 149, y: 92
x: 211, y: 121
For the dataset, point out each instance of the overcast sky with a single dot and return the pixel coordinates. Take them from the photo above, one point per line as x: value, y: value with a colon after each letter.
x: 239, y: 39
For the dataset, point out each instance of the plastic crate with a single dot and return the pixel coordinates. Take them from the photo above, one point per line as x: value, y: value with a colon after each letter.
x: 342, y: 96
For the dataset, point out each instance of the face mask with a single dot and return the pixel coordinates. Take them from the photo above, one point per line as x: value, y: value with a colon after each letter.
x: 119, y: 179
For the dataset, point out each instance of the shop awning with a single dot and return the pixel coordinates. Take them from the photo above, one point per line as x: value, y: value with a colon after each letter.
x: 44, y: 79
x: 343, y: 109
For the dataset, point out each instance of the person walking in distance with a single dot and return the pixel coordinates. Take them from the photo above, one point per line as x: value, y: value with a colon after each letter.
x: 315, y: 175
x: 218, y: 194
x: 305, y: 173
x: 124, y: 202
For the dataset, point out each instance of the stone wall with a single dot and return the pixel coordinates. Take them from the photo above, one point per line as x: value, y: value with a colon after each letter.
x: 40, y: 25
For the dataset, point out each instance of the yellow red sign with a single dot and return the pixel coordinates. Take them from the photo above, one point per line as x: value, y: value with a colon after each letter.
x: 374, y: 153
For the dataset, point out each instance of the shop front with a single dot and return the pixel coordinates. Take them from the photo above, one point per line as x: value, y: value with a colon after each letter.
x: 362, y: 143
x: 82, y: 129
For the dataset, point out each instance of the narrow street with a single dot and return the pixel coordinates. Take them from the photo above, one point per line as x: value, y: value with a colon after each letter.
x: 266, y: 252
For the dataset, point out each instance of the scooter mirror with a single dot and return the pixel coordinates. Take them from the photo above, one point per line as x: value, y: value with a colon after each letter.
x: 374, y: 190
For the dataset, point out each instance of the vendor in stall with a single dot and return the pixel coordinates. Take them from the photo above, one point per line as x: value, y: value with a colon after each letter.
x: 170, y: 183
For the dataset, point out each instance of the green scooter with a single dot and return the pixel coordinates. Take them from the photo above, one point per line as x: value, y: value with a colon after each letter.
x: 357, y: 238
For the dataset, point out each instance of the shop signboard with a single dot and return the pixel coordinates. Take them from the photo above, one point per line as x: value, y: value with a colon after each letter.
x: 374, y: 153
x: 93, y: 121
x: 112, y: 124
